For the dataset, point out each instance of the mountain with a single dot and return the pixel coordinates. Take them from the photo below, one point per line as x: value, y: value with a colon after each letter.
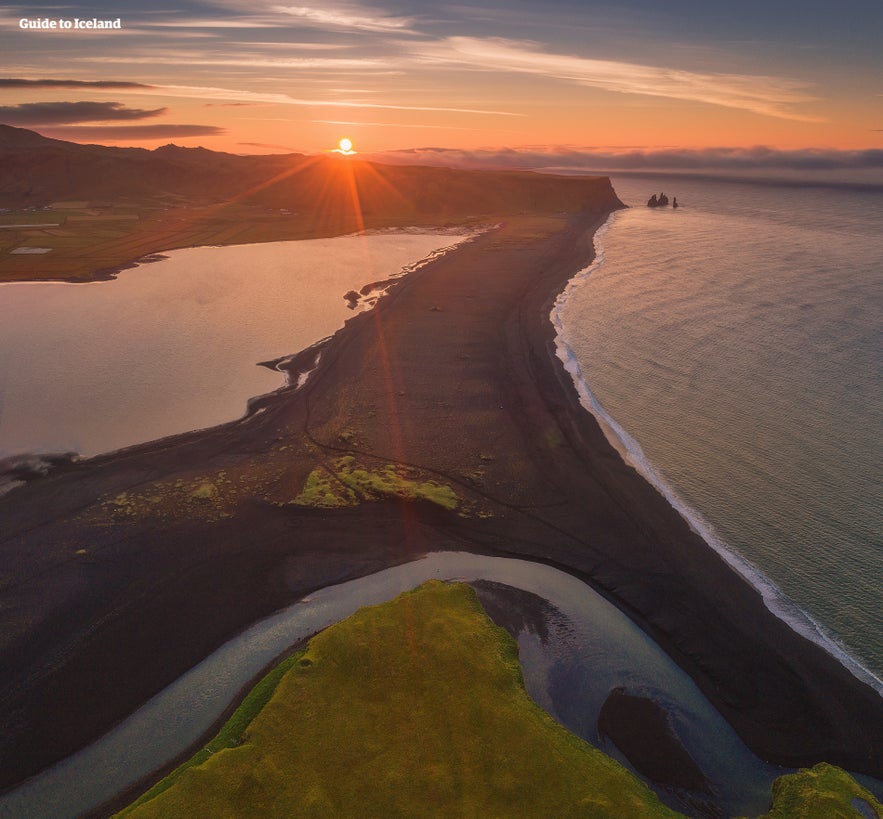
x: 36, y: 170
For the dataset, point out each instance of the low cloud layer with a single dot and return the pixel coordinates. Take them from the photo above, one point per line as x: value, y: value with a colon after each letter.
x: 637, y: 159
x: 136, y: 133
x: 58, y: 113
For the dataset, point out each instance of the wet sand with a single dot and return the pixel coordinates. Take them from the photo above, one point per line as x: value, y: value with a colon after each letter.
x: 121, y: 572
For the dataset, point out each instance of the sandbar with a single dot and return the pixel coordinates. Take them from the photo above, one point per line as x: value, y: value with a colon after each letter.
x: 123, y: 571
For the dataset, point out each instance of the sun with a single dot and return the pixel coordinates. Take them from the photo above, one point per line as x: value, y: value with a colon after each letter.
x: 345, y: 146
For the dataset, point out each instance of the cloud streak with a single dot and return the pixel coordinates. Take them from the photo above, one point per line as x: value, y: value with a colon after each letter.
x: 52, y: 113
x: 11, y: 82
x: 214, y: 93
x: 136, y: 133
x: 348, y: 19
x: 235, y: 96
x: 770, y: 96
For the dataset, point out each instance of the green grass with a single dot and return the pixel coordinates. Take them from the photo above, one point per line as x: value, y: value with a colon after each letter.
x: 821, y: 792
x: 231, y: 734
x: 412, y: 708
x: 347, y: 485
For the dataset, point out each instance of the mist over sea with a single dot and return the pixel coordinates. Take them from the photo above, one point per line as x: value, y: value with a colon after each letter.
x: 737, y: 343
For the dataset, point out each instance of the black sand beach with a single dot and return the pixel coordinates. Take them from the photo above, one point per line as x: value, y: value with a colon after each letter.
x: 121, y: 572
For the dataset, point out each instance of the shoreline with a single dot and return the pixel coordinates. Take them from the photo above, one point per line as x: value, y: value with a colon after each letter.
x: 227, y: 405
x: 632, y: 453
x: 550, y: 589
x: 457, y: 362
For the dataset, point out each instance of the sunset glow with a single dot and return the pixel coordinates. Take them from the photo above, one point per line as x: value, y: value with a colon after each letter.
x: 600, y: 83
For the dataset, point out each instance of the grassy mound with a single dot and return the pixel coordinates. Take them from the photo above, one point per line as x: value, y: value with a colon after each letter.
x: 821, y: 792
x: 415, y: 707
x: 347, y: 485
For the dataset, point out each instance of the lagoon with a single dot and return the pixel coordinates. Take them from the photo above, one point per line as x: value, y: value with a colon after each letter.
x: 175, y: 345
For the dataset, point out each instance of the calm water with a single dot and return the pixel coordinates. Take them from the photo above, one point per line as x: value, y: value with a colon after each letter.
x: 735, y: 343
x: 173, y: 346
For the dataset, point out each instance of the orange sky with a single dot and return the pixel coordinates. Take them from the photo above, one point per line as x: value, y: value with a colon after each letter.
x: 262, y: 77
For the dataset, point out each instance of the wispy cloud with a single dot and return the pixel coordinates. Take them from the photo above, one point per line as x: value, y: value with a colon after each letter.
x: 397, y: 125
x: 187, y: 58
x: 285, y: 148
x: 136, y: 133
x: 9, y: 82
x: 238, y: 95
x: 51, y: 113
x: 349, y: 17
x: 208, y: 23
x: 771, y: 96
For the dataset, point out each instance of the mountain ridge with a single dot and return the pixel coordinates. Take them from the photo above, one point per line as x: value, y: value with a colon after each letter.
x: 36, y: 170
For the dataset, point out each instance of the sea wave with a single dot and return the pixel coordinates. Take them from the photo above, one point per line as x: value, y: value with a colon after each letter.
x: 630, y: 450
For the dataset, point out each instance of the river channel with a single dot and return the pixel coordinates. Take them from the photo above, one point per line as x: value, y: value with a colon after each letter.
x: 575, y: 648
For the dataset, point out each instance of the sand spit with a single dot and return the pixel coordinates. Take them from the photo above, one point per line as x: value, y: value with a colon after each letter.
x: 123, y: 571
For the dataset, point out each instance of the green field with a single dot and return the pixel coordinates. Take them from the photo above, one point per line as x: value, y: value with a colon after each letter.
x: 417, y: 708
x: 89, y: 238
x: 412, y: 708
x: 822, y: 792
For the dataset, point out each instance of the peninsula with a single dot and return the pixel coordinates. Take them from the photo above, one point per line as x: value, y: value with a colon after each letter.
x: 450, y: 423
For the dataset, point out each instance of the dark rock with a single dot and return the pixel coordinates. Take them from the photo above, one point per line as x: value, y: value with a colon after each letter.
x: 640, y: 728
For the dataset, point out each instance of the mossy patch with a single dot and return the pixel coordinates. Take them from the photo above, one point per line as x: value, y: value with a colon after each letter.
x: 209, y: 497
x: 821, y: 792
x: 412, y: 708
x: 346, y: 484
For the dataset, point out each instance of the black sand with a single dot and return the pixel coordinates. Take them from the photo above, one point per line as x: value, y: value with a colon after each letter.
x: 106, y: 598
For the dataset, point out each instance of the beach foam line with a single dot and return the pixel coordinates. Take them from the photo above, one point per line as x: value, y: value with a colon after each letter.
x: 631, y: 452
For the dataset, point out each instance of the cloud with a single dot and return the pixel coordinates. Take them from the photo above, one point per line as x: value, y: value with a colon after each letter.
x: 51, y: 113
x: 136, y: 133
x: 398, y: 125
x: 7, y: 82
x: 187, y: 58
x: 771, y: 96
x: 732, y: 160
x: 347, y: 18
x: 285, y: 148
x: 240, y: 23
x: 214, y: 93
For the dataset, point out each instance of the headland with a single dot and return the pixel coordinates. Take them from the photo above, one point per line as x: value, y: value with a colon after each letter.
x: 122, y: 571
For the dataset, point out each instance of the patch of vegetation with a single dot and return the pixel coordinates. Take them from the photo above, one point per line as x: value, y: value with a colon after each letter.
x: 345, y: 484
x: 210, y: 497
x: 821, y: 792
x: 232, y: 734
x: 94, y: 236
x: 412, y: 708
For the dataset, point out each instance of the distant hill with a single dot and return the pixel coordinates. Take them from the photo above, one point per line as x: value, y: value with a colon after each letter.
x: 35, y: 170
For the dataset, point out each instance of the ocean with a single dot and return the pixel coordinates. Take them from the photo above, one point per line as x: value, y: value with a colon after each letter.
x: 733, y: 349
